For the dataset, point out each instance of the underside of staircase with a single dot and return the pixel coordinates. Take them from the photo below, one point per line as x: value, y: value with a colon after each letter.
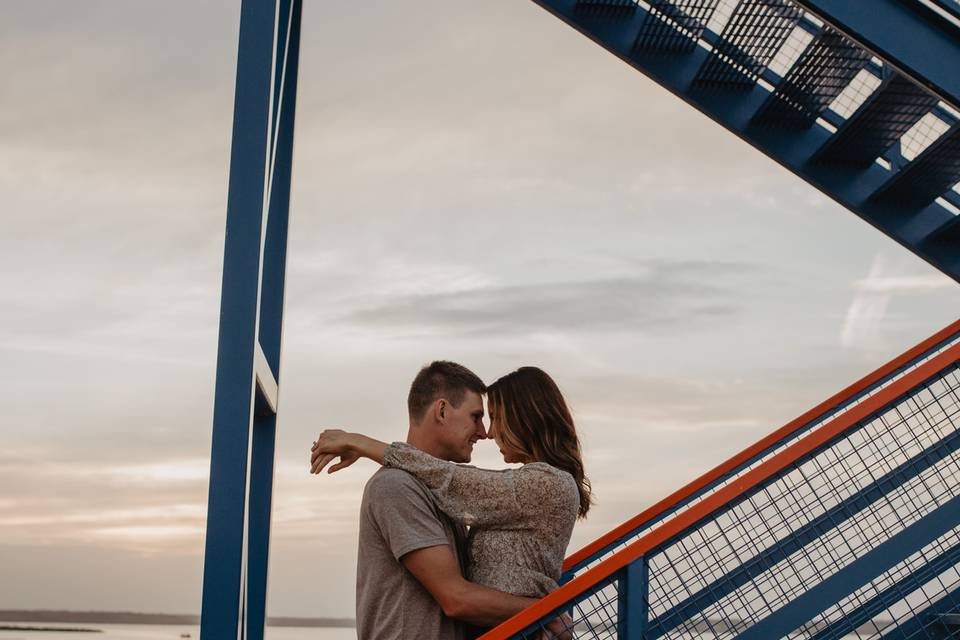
x: 857, y: 97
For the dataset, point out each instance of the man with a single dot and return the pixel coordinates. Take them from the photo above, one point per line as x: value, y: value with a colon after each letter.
x: 409, y: 567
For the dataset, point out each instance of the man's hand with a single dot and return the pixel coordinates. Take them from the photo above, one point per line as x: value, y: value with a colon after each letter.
x: 439, y: 573
x: 560, y: 628
x: 331, y: 444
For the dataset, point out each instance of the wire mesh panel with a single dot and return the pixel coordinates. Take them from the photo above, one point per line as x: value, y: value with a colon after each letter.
x: 824, y: 70
x: 674, y: 27
x: 834, y: 541
x: 883, y: 119
x: 610, y: 8
x: 750, y: 40
x: 923, y: 134
x: 597, y: 614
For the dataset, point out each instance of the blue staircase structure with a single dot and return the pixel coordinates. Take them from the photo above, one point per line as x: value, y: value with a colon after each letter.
x: 860, y: 98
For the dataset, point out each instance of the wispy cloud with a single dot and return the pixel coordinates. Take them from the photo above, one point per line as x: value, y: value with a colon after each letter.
x: 874, y: 294
x: 660, y: 296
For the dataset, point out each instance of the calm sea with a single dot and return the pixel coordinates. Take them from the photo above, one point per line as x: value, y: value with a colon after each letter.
x: 160, y: 632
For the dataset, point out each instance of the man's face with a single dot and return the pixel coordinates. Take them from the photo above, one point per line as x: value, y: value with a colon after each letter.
x: 462, y: 427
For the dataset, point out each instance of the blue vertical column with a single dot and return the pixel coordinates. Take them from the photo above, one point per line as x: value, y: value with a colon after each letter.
x: 271, y: 312
x: 632, y: 602
x: 248, y: 359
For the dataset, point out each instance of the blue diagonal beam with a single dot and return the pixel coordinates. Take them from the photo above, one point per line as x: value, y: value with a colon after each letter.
x: 928, y: 623
x: 830, y: 519
x: 858, y: 573
x: 932, y: 63
x: 947, y: 237
x: 889, y: 596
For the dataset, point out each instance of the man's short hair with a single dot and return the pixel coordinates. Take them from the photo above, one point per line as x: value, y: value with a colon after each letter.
x: 441, y: 379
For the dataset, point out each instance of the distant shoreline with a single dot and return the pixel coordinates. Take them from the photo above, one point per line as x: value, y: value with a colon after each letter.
x: 8, y: 627
x: 130, y: 617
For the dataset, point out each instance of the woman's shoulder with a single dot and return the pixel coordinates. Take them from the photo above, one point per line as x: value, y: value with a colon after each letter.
x: 543, y: 467
x: 545, y: 472
x: 547, y: 487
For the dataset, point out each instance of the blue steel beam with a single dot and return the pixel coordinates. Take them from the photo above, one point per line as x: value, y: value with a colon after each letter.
x: 633, y: 601
x: 244, y: 424
x: 271, y: 310
x: 793, y: 149
x: 881, y: 558
x: 929, y: 623
x: 224, y: 555
x: 889, y: 596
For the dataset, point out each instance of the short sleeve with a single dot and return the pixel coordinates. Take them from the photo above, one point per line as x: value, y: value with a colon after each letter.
x: 404, y: 513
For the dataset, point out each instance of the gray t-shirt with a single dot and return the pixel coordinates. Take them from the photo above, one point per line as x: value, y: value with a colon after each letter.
x: 399, y: 515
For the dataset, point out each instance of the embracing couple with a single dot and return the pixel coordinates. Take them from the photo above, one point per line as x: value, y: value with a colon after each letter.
x: 448, y: 550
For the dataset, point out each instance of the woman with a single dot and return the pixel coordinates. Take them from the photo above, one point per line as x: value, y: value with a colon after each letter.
x: 520, y: 519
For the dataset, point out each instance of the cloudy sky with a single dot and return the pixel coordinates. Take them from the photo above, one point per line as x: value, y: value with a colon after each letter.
x: 473, y: 181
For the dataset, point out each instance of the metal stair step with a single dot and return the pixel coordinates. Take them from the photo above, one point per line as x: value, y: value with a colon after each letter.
x: 749, y: 42
x: 829, y: 63
x: 880, y: 122
x: 674, y: 27
x: 928, y: 177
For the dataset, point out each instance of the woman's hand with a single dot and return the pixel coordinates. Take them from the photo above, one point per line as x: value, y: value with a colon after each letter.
x: 349, y: 447
x: 560, y: 628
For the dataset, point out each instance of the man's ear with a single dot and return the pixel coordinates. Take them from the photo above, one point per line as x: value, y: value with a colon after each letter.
x: 440, y: 410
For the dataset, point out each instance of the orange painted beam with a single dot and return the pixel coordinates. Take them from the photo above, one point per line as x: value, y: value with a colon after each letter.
x: 718, y: 472
x: 723, y: 496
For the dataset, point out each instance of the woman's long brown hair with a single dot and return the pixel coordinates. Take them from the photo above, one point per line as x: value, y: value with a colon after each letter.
x: 532, y: 417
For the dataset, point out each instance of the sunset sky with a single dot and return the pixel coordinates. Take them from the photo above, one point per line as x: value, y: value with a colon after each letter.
x: 472, y: 181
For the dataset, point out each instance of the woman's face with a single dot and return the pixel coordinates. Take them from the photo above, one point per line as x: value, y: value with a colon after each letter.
x: 510, y: 455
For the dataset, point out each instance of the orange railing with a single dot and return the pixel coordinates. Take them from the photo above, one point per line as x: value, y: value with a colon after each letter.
x: 735, y: 478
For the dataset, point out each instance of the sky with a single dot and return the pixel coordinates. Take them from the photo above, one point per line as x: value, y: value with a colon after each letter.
x: 472, y: 181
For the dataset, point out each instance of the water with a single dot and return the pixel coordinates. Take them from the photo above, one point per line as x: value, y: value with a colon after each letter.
x: 160, y: 632
x: 172, y: 632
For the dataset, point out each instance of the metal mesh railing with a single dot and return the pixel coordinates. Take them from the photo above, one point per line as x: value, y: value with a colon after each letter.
x: 852, y: 531
x: 812, y: 522
x: 884, y: 377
